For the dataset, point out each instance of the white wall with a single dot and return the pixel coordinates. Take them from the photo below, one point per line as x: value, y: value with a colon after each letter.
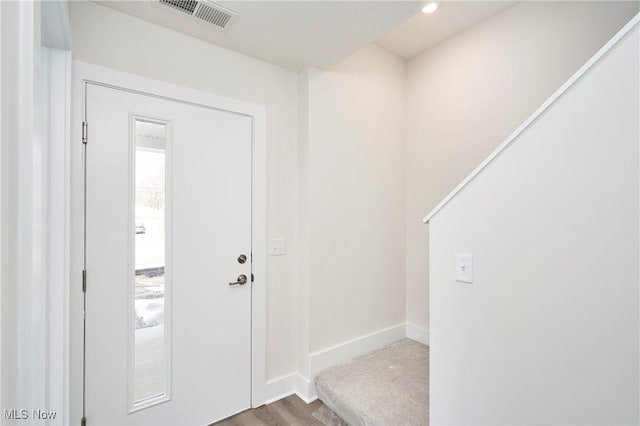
x: 55, y: 130
x: 466, y: 95
x: 109, y: 38
x: 548, y: 331
x: 354, y: 180
x: 25, y: 210
x: 8, y: 203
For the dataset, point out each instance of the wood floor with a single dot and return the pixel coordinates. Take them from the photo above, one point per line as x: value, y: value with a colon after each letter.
x: 290, y: 411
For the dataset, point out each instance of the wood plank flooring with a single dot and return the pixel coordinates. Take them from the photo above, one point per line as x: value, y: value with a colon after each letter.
x: 290, y: 411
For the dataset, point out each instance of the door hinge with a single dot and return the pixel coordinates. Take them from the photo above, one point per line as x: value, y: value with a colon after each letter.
x: 85, y: 131
x: 83, y: 421
x: 252, y: 278
x: 84, y: 281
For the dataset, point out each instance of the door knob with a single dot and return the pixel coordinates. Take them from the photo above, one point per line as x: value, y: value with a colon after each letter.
x: 242, y: 258
x: 242, y: 279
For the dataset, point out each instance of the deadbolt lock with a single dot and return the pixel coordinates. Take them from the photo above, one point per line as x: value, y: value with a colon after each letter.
x: 242, y: 258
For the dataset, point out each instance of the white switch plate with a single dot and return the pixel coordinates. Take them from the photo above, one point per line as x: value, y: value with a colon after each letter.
x: 464, y: 268
x: 276, y: 247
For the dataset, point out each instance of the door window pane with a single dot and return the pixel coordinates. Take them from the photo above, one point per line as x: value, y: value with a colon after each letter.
x: 150, y: 358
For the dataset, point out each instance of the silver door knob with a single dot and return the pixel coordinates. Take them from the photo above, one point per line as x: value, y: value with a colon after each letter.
x: 242, y: 258
x: 242, y: 279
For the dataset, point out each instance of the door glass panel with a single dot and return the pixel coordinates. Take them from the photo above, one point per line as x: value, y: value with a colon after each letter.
x: 150, y: 357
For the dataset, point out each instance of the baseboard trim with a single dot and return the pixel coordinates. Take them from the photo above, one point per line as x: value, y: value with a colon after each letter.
x: 350, y: 349
x: 305, y: 388
x: 285, y: 386
x: 417, y: 333
x: 279, y: 388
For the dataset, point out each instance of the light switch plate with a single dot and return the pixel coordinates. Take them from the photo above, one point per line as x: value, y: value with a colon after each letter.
x: 464, y: 268
x: 276, y: 247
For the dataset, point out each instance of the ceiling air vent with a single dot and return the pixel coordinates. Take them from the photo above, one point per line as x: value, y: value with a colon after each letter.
x: 204, y: 10
x: 187, y: 6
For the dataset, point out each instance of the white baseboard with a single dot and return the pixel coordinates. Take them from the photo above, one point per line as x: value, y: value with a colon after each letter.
x: 305, y: 388
x: 285, y: 386
x: 346, y: 351
x: 280, y: 388
x: 417, y: 333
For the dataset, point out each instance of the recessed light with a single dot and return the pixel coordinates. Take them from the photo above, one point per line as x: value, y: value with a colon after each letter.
x: 430, y: 7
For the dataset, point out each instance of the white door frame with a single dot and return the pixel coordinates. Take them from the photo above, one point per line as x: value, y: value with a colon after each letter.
x: 83, y: 74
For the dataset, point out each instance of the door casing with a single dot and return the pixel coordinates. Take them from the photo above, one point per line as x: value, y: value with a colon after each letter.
x: 83, y: 74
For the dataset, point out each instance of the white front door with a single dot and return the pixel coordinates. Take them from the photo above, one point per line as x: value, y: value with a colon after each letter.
x: 168, y: 220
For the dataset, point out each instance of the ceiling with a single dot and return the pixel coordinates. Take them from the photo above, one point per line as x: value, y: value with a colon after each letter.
x: 291, y: 34
x: 423, y: 31
x: 294, y: 34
